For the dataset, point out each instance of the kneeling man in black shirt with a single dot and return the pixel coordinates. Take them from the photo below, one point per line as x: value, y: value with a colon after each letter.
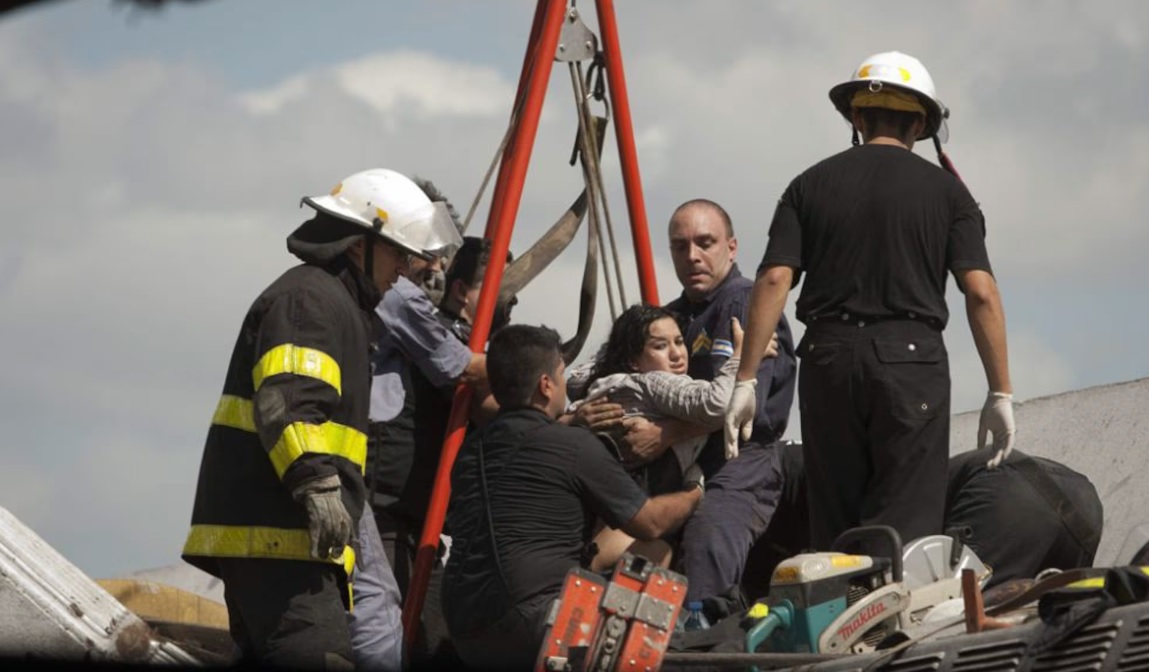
x: 525, y: 493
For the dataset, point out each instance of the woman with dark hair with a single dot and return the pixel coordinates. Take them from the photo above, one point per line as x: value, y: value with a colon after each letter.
x: 643, y: 367
x: 628, y: 339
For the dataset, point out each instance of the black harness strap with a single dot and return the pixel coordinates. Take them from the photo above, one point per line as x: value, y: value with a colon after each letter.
x: 1055, y: 496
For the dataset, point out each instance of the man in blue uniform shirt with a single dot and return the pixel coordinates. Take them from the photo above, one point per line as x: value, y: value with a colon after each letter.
x: 741, y: 494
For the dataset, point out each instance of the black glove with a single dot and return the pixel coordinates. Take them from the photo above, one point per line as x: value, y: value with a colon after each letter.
x: 328, y: 521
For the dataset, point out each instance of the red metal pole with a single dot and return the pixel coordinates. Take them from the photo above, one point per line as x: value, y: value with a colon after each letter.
x: 499, y: 193
x: 518, y: 159
x: 628, y: 156
x: 532, y: 42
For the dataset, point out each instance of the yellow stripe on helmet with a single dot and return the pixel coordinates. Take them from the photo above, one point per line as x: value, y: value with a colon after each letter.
x: 889, y: 99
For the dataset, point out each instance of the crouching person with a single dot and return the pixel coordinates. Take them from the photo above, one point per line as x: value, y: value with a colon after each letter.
x: 525, y: 492
x: 1030, y: 514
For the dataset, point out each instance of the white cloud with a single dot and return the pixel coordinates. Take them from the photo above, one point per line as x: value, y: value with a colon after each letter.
x: 404, y: 83
x: 272, y: 100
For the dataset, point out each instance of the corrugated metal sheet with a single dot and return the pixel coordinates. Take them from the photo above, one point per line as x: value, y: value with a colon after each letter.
x: 49, y: 609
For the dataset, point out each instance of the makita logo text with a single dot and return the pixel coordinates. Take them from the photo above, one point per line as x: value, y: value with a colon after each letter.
x: 868, y: 614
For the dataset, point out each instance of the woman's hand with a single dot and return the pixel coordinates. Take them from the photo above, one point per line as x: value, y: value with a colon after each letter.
x: 772, y: 346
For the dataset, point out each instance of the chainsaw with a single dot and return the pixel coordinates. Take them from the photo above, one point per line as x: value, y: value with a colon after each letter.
x: 837, y: 602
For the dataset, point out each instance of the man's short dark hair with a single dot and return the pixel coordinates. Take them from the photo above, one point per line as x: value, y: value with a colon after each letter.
x: 707, y: 203
x: 516, y: 357
x: 896, y: 121
x: 470, y: 261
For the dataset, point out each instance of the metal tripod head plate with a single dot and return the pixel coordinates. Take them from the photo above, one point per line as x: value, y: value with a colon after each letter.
x: 576, y: 41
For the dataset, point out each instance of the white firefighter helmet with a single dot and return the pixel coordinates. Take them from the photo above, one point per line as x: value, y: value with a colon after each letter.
x: 896, y: 81
x: 394, y: 207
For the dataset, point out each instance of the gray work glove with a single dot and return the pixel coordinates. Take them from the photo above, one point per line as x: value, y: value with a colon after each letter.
x: 997, y: 419
x: 740, y: 415
x: 328, y: 521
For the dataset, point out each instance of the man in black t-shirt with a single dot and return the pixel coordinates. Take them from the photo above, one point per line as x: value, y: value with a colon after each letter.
x: 876, y: 229
x: 525, y: 492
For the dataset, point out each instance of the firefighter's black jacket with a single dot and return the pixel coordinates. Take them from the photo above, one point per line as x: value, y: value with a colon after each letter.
x: 294, y: 407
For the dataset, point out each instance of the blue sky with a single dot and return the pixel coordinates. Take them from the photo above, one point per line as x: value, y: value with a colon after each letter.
x: 152, y: 165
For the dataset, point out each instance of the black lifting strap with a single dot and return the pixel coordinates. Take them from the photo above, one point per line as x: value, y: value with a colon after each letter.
x: 531, y: 263
x: 1054, y: 495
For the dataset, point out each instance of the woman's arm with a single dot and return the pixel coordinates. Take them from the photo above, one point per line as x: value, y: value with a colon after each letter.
x: 697, y: 401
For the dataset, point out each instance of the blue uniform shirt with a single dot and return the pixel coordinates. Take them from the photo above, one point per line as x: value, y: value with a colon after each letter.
x: 709, y: 341
x: 411, y: 335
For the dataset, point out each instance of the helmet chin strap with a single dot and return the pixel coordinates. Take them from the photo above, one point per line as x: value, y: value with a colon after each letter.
x: 369, y: 249
x: 854, y: 135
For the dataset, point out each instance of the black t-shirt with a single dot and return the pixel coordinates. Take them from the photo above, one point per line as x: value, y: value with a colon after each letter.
x: 875, y: 228
x: 545, y: 484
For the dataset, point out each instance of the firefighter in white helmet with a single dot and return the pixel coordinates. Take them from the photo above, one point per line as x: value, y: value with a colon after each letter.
x: 876, y: 229
x: 281, y: 481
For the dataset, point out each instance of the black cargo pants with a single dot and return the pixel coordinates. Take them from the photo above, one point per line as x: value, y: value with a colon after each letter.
x: 287, y: 613
x: 875, y: 402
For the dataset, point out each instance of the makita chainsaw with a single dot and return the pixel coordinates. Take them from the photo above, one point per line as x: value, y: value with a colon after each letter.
x: 840, y: 603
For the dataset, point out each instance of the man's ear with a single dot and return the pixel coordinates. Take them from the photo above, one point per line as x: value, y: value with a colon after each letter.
x: 545, y: 387
x: 457, y: 291
x: 918, y: 128
x: 355, y: 251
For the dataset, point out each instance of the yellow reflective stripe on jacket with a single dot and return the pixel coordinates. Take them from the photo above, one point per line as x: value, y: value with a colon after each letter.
x: 239, y: 541
x: 1099, y: 581
x: 330, y: 438
x: 1095, y: 582
x: 234, y: 412
x: 289, y: 358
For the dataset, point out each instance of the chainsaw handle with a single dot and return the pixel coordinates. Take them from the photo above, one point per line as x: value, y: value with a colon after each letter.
x: 868, y: 532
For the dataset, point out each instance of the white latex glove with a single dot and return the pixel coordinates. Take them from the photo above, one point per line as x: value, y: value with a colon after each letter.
x: 997, y: 419
x: 740, y: 415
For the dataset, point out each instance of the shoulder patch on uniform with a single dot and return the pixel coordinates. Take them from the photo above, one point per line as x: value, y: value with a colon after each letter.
x: 722, y: 348
x: 700, y: 344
